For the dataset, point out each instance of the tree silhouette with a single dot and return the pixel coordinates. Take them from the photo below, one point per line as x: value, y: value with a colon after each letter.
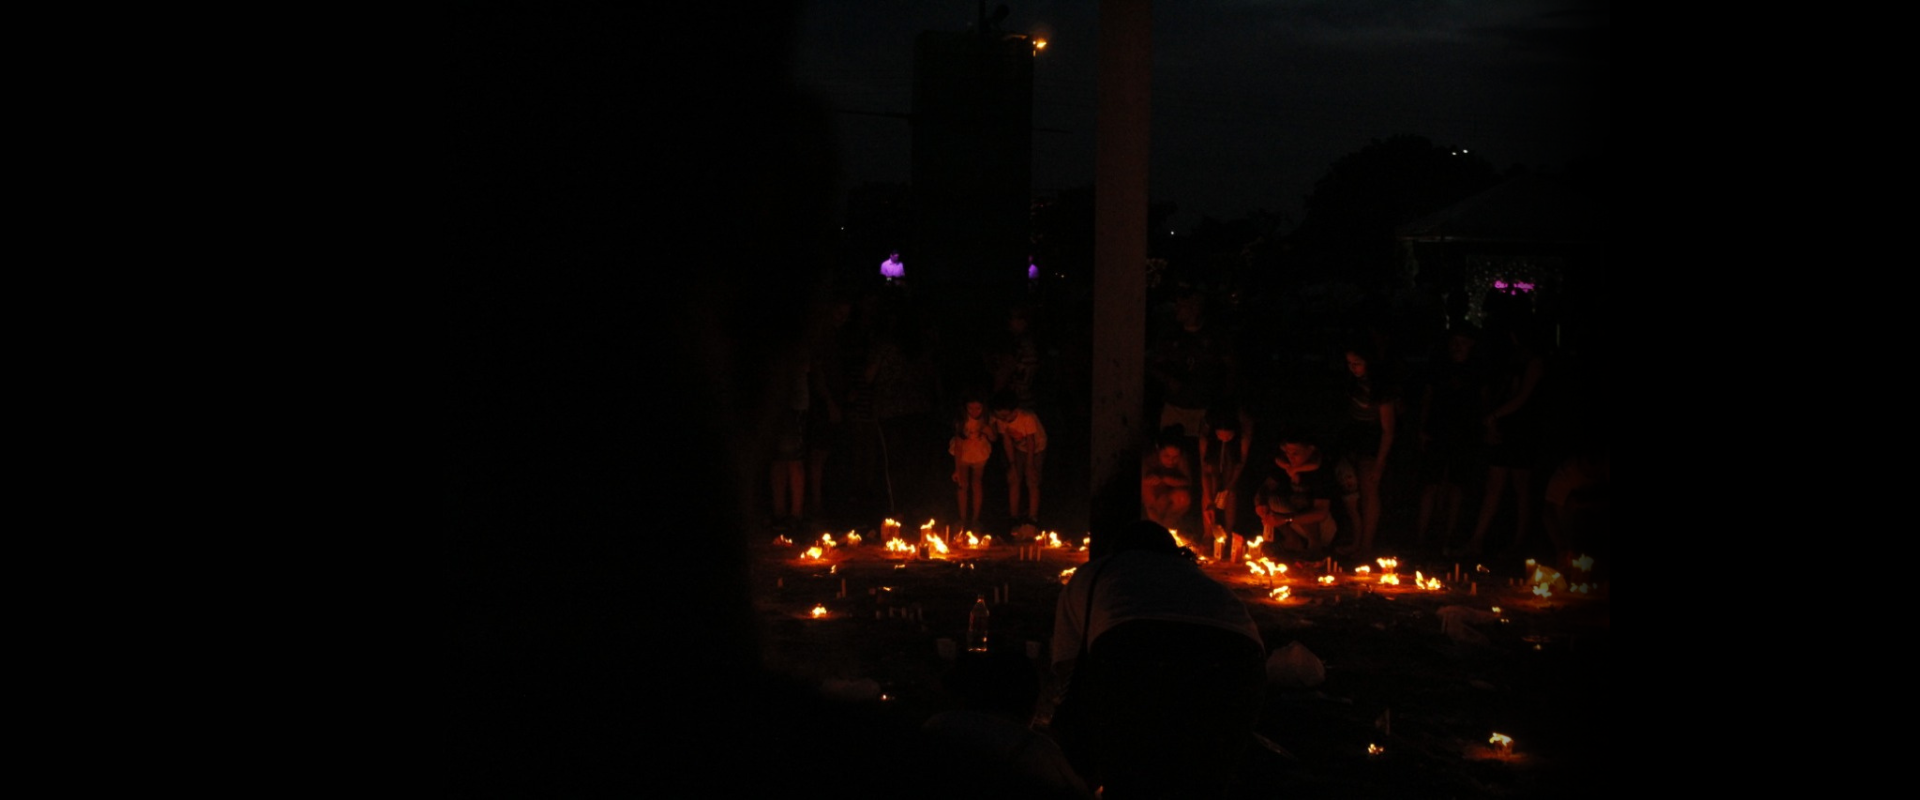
x: 1347, y: 231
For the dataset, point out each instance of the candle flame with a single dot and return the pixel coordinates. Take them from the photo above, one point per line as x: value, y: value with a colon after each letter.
x: 1390, y: 579
x: 1327, y: 579
x: 1279, y: 593
x: 826, y: 540
x: 782, y: 540
x: 1067, y: 574
x: 812, y: 553
x: 819, y: 611
x: 1053, y: 540
x: 1429, y: 584
x: 1374, y: 749
x: 1503, y: 741
x: 1363, y: 569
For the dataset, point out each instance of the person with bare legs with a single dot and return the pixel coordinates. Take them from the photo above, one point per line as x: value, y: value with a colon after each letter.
x: 1367, y: 440
x: 1024, y: 440
x: 971, y: 446
x: 1513, y: 433
x: 1449, y: 443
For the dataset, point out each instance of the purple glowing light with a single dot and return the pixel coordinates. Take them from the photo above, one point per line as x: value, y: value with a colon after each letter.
x: 1517, y: 287
x: 1033, y: 270
x: 892, y: 268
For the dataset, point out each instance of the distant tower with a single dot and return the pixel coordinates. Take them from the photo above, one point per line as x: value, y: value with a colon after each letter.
x: 972, y: 152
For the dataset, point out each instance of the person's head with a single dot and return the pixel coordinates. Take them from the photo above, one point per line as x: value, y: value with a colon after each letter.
x: 1358, y: 362
x: 1168, y: 454
x: 974, y: 409
x: 1460, y: 343
x: 1143, y: 535
x: 1224, y: 420
x: 1295, y: 447
x: 1004, y: 404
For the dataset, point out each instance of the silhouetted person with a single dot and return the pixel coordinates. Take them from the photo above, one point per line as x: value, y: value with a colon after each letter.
x: 1165, y: 669
x: 1193, y: 365
x: 1449, y: 434
x: 1514, y: 429
x: 1367, y: 440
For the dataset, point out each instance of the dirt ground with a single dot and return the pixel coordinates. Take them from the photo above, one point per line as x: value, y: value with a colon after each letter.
x: 1405, y: 709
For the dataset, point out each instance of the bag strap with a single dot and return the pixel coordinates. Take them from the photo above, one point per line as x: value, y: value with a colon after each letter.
x: 1086, y: 619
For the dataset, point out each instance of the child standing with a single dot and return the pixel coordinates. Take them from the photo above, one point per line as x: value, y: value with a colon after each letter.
x: 971, y: 446
x: 1024, y: 440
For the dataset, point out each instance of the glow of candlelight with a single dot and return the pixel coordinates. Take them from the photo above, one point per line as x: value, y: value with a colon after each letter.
x: 1542, y: 590
x: 826, y: 540
x: 1053, y: 540
x: 1390, y: 579
x: 782, y: 540
x: 1502, y: 741
x: 1388, y: 563
x: 853, y: 537
x: 812, y: 552
x: 819, y: 611
x: 1279, y: 593
x: 1584, y: 563
x: 1363, y: 569
x: 1067, y: 574
x: 1327, y: 579
x: 1374, y: 749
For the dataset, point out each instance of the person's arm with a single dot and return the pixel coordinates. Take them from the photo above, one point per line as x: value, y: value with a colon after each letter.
x: 1322, y: 508
x: 1386, y: 433
x: 1424, y: 437
x: 1528, y: 380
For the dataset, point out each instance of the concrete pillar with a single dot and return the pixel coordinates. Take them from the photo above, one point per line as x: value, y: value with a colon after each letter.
x: 1120, y: 257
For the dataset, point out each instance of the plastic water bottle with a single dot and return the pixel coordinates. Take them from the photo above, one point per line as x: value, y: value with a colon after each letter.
x: 977, y: 626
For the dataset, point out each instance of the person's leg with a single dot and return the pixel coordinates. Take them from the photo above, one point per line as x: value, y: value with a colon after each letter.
x: 797, y: 487
x: 960, y: 489
x: 1179, y: 503
x: 974, y: 473
x: 1523, y: 505
x: 1489, y: 505
x: 1370, y: 476
x: 1429, y: 504
x: 777, y: 481
x: 1033, y: 485
x: 1451, y: 497
x: 1016, y: 476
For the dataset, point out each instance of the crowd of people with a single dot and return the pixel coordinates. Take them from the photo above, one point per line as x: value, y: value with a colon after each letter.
x: 576, y: 389
x: 1411, y: 444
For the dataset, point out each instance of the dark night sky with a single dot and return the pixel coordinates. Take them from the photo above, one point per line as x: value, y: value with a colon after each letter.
x: 1253, y: 100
